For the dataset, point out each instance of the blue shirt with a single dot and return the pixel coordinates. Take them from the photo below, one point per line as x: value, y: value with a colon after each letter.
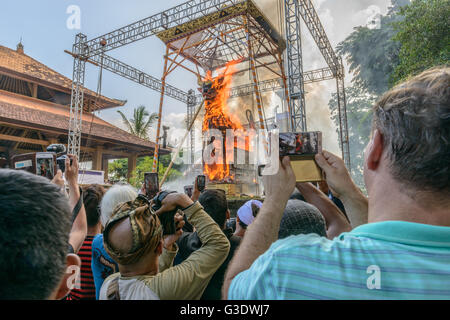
x: 383, y: 260
x: 102, y: 265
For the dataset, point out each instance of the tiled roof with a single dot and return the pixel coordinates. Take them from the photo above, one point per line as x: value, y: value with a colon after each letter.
x: 21, y: 65
x: 22, y: 110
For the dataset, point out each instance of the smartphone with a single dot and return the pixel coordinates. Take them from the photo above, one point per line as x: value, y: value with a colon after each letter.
x: 151, y: 184
x: 39, y: 163
x: 188, y: 190
x: 201, y: 182
x: 300, y: 143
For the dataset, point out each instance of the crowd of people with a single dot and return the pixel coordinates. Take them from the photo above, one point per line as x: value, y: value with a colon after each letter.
x: 304, y: 241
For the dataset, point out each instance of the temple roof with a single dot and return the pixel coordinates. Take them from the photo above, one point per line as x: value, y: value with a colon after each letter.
x: 37, y: 114
x: 17, y: 66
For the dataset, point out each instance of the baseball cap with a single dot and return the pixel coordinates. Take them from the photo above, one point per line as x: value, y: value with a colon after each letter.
x: 301, y: 218
x: 245, y: 213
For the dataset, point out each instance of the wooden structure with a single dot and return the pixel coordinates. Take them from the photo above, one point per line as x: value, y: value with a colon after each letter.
x: 34, y: 113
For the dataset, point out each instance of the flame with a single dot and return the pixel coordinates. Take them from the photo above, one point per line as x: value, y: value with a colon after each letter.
x: 218, y: 116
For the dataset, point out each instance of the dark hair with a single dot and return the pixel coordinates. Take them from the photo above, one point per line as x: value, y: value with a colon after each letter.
x: 34, y: 234
x: 300, y: 217
x: 414, y: 120
x: 92, y: 196
x: 215, y: 204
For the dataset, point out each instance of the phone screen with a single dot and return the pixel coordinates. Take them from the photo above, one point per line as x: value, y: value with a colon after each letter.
x: 151, y: 184
x: 45, y: 166
x: 300, y: 143
x: 201, y: 181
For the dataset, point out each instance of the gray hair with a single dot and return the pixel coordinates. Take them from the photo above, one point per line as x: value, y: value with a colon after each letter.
x: 117, y: 194
x: 414, y: 119
x: 301, y: 218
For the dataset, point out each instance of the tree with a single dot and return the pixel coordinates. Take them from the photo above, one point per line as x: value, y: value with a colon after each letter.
x: 145, y: 164
x: 140, y: 123
x: 118, y: 170
x: 372, y: 54
x: 424, y: 37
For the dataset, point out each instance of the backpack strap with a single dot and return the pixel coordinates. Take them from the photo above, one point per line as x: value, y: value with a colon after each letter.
x: 113, y: 289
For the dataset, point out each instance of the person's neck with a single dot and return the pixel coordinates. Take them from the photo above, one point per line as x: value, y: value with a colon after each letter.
x: 92, y: 231
x: 389, y: 201
x: 139, y: 269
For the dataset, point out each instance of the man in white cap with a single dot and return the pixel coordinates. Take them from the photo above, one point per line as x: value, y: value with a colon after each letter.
x: 245, y: 215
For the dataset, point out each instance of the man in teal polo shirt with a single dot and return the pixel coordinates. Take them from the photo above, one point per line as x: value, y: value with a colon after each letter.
x: 403, y: 252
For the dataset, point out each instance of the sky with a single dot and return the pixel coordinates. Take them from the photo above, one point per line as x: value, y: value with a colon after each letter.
x: 42, y: 26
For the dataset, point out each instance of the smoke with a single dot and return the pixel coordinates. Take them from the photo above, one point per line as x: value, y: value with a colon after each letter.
x: 317, y: 94
x: 318, y: 116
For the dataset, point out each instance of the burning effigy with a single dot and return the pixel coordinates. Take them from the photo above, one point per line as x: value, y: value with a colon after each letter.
x: 216, y: 92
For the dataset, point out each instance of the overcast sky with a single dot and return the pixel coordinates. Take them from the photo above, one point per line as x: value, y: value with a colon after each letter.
x: 43, y: 29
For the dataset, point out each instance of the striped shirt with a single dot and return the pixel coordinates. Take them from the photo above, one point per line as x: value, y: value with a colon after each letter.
x: 87, y: 286
x: 383, y: 260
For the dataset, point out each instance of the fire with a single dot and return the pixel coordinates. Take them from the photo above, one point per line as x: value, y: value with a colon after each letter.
x: 218, y: 116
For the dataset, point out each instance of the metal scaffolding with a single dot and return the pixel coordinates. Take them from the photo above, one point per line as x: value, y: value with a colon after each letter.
x: 224, y: 48
x: 76, y: 102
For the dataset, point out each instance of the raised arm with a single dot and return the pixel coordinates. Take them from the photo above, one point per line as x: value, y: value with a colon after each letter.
x: 334, y: 218
x: 264, y: 229
x: 343, y: 187
x: 79, y: 226
x: 189, y: 279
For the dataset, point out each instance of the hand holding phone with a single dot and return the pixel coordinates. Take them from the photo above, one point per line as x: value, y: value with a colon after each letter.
x: 201, y: 182
x: 151, y: 184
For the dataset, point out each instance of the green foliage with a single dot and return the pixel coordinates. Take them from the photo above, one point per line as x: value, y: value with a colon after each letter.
x: 145, y: 164
x: 424, y: 37
x: 118, y: 170
x: 372, y: 54
x: 140, y: 123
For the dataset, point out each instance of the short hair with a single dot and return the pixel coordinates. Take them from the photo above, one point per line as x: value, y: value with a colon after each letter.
x: 92, y: 196
x: 117, y: 194
x: 414, y: 120
x: 34, y: 235
x: 215, y: 204
x: 300, y: 217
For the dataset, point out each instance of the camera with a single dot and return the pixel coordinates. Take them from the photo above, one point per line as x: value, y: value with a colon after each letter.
x: 166, y: 218
x: 61, y: 154
x: 43, y: 164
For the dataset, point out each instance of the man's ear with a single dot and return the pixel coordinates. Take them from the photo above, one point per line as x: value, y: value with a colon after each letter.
x: 159, y: 248
x: 71, y: 275
x: 227, y: 214
x: 374, y: 150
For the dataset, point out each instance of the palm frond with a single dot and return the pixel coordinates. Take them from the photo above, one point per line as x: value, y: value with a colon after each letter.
x: 126, y: 122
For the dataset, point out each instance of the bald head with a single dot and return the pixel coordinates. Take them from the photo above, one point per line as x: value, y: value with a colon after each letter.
x: 120, y: 236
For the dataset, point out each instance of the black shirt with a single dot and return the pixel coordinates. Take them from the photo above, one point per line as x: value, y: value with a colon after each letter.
x: 190, y: 242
